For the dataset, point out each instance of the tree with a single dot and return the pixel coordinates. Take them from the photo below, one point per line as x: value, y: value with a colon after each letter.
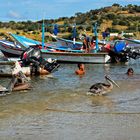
x: 78, y: 14
x: 115, y: 4
x: 110, y: 16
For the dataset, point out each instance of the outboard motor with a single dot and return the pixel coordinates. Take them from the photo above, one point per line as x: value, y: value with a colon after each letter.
x: 132, y: 53
x: 122, y: 52
x: 51, y: 65
x: 117, y: 53
x: 33, y: 56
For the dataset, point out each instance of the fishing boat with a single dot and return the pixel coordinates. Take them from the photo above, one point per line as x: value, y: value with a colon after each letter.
x: 63, y: 49
x: 68, y: 43
x: 133, y: 43
x: 133, y: 40
x: 70, y: 51
x: 62, y: 54
x: 10, y: 49
x: 16, y: 48
x: 73, y: 57
x: 31, y: 62
x: 24, y: 41
x: 9, y: 68
x: 78, y: 56
x: 71, y: 43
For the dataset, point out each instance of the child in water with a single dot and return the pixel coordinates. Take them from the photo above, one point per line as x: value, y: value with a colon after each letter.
x: 81, y: 69
x: 130, y: 71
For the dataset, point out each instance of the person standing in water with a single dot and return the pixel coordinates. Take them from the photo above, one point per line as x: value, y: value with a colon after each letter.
x: 81, y: 69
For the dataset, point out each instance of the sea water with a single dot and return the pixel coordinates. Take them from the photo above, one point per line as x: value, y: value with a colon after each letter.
x: 57, y: 107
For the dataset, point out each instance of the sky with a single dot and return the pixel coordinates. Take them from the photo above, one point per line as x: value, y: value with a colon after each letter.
x: 34, y: 10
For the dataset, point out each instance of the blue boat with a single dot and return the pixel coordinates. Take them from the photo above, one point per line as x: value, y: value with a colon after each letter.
x: 24, y: 41
x: 133, y: 40
x: 68, y: 43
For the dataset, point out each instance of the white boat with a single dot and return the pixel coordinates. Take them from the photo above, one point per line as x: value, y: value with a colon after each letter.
x: 70, y: 57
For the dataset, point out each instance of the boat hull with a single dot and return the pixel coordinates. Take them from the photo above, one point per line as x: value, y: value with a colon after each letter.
x: 6, y: 68
x: 9, y: 68
x: 9, y: 50
x: 99, y: 58
x: 66, y: 57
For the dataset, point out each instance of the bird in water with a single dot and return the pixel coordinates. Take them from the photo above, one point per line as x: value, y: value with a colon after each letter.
x: 102, y: 88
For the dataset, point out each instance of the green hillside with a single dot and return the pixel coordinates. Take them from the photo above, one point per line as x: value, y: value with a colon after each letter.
x: 116, y: 18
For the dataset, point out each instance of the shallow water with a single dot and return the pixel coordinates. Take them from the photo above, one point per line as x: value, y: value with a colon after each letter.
x: 57, y: 108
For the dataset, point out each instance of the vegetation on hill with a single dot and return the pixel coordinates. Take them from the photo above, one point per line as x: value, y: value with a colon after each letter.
x: 116, y: 18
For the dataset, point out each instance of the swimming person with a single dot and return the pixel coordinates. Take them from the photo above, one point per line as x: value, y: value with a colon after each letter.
x: 81, y: 69
x: 130, y: 71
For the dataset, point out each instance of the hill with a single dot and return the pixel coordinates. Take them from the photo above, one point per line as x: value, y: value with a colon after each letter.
x: 116, y: 18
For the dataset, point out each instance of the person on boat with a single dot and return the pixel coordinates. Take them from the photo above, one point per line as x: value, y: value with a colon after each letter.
x: 86, y: 43
x: 130, y: 72
x: 92, y: 43
x: 107, y: 47
x: 106, y: 35
x: 81, y: 69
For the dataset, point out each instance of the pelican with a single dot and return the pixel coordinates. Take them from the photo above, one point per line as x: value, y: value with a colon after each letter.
x: 102, y: 88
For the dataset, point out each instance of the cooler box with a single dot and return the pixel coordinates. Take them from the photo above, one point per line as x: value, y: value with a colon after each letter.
x: 119, y: 46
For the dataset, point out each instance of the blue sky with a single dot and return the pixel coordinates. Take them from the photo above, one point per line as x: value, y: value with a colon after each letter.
x: 23, y: 10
